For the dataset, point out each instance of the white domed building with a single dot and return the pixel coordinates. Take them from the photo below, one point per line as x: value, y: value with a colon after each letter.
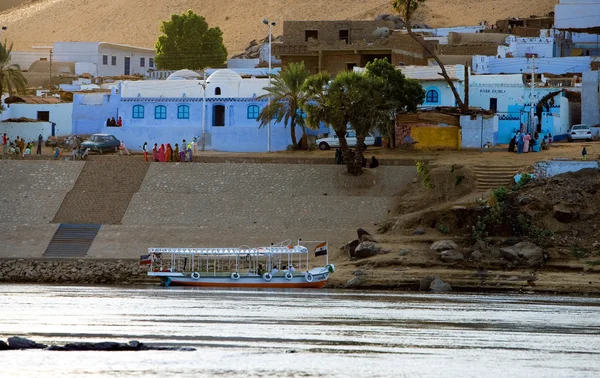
x: 224, y: 109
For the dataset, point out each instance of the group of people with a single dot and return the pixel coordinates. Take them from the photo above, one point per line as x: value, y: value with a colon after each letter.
x: 372, y: 163
x: 18, y: 148
x: 167, y: 153
x: 261, y: 269
x: 113, y: 122
x: 523, y: 142
x: 78, y: 153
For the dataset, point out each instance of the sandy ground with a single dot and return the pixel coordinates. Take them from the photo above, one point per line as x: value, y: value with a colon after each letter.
x: 41, y: 22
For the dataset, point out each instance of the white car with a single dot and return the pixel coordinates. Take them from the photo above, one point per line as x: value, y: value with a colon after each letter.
x: 580, y: 132
x: 334, y: 141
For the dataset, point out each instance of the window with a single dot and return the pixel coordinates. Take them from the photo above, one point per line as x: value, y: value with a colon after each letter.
x: 160, y: 112
x: 311, y: 34
x: 113, y: 60
x: 142, y: 62
x: 138, y: 111
x: 151, y: 62
x: 43, y: 116
x: 344, y: 36
x: 105, y: 60
x: 253, y: 111
x: 350, y: 66
x: 219, y: 115
x: 217, y: 91
x: 432, y: 96
x: 183, y: 112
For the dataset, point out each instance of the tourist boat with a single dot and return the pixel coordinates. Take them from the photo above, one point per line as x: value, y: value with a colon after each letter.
x: 277, y: 266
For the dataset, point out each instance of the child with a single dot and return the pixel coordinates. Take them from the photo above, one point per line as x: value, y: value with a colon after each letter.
x: 584, y: 154
x: 85, y: 154
x: 56, y: 153
x: 74, y: 153
x: 549, y: 138
x: 27, y: 151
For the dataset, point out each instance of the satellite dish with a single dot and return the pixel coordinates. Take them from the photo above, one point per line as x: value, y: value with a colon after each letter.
x: 381, y: 32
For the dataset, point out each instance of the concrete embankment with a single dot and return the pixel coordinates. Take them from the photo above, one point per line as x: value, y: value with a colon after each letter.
x: 187, y: 205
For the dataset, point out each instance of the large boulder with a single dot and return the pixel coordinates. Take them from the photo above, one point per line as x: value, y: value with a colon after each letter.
x: 366, y: 249
x: 16, y: 342
x: 452, y: 256
x: 564, y: 214
x: 524, y: 254
x: 426, y: 282
x: 364, y: 235
x: 439, y: 286
x: 350, y: 248
x: 443, y: 245
x: 353, y: 282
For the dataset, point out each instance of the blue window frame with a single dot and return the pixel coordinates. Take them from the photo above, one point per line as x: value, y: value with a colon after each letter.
x: 432, y: 96
x: 138, y: 111
x: 183, y: 112
x: 253, y: 111
x: 160, y: 112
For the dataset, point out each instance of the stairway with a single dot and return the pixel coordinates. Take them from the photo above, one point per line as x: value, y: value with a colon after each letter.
x: 102, y: 191
x: 72, y: 240
x: 494, y: 176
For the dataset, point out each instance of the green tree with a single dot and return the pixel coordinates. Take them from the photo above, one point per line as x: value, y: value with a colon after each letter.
x: 403, y: 95
x: 406, y: 9
x: 188, y: 42
x: 11, y: 77
x: 285, y: 94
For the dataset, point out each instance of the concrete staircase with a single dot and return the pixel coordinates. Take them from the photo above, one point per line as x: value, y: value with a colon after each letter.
x: 494, y: 176
x: 102, y: 191
x: 72, y: 240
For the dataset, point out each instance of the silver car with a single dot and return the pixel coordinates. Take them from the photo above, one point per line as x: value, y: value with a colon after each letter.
x: 334, y: 141
x: 580, y: 132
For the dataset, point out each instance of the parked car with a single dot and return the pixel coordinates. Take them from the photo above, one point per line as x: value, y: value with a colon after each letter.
x: 101, y: 143
x: 334, y: 141
x: 580, y: 132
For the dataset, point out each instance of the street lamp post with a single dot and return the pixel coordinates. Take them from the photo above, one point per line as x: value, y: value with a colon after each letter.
x: 270, y: 25
x: 203, y: 143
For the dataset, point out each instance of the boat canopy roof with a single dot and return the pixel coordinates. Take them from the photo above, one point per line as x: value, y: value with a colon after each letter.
x: 296, y: 249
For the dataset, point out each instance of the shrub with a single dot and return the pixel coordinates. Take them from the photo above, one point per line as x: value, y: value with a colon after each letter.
x: 500, y: 194
x: 423, y: 171
x: 479, y: 231
x: 290, y: 147
x: 525, y: 178
x: 444, y: 229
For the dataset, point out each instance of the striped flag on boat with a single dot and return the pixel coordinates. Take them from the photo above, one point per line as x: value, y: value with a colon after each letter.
x: 145, y: 259
x: 321, y: 249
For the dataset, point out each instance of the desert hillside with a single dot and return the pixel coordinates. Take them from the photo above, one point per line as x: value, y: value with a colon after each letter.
x: 41, y: 22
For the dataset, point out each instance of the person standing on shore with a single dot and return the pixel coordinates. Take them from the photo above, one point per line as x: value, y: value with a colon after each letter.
x: 182, y: 152
x: 176, y: 152
x: 584, y: 154
x: 169, y: 153
x: 4, y: 145
x: 145, y: 149
x: 39, y: 145
x: 155, y: 153
x: 195, y: 143
x: 519, y: 138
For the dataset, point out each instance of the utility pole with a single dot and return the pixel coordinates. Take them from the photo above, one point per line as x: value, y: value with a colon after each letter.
x: 270, y: 25
x: 203, y: 143
x: 50, y: 71
x: 532, y: 108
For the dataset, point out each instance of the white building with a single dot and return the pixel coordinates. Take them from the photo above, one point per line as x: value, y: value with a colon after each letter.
x: 105, y: 59
x: 577, y: 15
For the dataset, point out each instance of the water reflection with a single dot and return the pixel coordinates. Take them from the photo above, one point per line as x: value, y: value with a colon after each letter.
x: 332, y: 333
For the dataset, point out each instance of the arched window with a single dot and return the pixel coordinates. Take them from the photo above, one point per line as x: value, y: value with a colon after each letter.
x: 138, y: 111
x: 253, y: 111
x: 217, y: 91
x: 183, y: 112
x: 218, y: 115
x: 160, y: 112
x: 432, y: 96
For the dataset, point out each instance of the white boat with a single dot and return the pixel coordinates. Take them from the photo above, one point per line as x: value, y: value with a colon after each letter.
x: 276, y: 266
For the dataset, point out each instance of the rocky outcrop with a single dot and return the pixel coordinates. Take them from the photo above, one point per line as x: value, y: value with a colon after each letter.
x: 439, y: 286
x: 16, y: 342
x: 452, y: 256
x: 353, y: 282
x: 364, y: 235
x: 443, y: 245
x: 73, y: 271
x: 366, y: 249
x: 523, y: 254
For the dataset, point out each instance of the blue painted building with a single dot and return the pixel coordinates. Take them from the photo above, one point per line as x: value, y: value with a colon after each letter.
x: 224, y: 110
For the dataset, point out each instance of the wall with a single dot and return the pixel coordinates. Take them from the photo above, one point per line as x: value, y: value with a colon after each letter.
x: 519, y: 46
x: 435, y: 137
x: 590, y: 98
x: 26, y: 130
x: 61, y: 114
x: 544, y: 169
x: 26, y: 58
x: 293, y: 31
x: 479, y: 131
x: 90, y: 112
x: 493, y: 65
x: 121, y: 52
x: 577, y: 14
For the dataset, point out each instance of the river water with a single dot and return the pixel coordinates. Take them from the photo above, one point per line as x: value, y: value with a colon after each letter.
x: 242, y: 333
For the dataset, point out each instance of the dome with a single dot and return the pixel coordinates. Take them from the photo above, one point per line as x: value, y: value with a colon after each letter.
x: 184, y: 75
x: 224, y: 76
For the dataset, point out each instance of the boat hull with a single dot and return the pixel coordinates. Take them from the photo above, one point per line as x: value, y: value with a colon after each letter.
x: 298, y: 282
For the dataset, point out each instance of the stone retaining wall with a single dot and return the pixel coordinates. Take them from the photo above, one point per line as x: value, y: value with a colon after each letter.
x: 73, y: 271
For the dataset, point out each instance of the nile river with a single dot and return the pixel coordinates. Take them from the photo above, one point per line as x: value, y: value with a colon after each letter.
x: 300, y: 333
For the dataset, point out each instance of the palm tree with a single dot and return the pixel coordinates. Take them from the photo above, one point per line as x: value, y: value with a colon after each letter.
x: 285, y: 94
x: 11, y: 77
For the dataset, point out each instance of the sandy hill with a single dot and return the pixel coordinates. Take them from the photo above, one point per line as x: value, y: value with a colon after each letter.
x: 136, y: 22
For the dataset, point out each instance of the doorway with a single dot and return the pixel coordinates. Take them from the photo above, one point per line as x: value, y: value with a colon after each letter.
x: 494, y: 104
x: 219, y: 115
x: 127, y: 65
